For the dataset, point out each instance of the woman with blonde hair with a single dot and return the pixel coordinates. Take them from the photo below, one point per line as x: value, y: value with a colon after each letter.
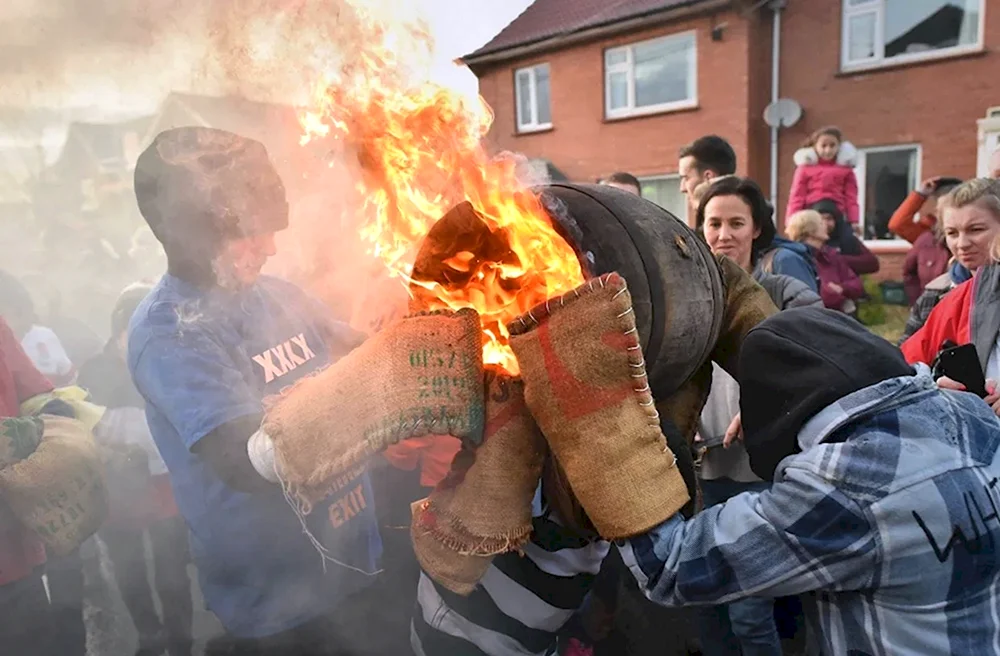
x: 970, y: 313
x: 839, y: 286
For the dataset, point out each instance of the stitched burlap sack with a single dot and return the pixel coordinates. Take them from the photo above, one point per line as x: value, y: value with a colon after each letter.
x: 421, y: 375
x: 58, y: 491
x: 585, y: 383
x: 19, y: 437
x: 483, y: 507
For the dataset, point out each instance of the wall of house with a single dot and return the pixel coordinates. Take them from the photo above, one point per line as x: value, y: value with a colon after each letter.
x: 584, y: 145
x: 933, y: 103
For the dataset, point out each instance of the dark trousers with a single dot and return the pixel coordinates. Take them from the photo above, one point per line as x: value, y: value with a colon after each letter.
x: 25, y: 617
x: 65, y: 577
x: 169, y: 541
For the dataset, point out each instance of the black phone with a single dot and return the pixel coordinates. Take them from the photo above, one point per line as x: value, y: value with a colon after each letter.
x: 961, y: 364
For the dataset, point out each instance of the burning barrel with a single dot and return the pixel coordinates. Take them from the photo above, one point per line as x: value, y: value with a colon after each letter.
x: 675, y: 285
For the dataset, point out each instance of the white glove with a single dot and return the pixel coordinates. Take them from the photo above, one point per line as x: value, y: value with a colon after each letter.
x: 260, y: 448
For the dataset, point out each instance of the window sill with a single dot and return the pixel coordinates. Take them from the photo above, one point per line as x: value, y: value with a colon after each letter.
x: 887, y: 246
x: 911, y: 60
x: 651, y: 111
x: 534, y: 130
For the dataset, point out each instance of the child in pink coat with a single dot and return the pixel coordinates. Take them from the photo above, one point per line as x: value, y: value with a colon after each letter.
x: 825, y: 169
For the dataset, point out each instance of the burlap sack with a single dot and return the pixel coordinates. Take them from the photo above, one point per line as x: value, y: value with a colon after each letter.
x: 58, y: 491
x: 585, y: 383
x: 422, y: 375
x: 483, y: 507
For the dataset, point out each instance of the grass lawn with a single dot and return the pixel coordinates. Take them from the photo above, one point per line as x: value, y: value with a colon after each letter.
x: 895, y: 320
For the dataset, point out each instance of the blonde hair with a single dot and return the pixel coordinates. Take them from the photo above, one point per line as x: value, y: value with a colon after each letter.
x: 984, y: 192
x: 699, y: 191
x: 804, y: 224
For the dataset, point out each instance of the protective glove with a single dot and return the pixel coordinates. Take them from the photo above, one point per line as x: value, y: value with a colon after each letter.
x: 585, y: 384
x: 422, y: 375
x: 483, y: 506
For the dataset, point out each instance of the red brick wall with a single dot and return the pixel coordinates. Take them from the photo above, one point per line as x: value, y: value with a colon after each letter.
x: 585, y: 146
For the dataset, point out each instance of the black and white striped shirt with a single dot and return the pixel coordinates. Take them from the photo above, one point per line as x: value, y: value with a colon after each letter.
x: 521, y: 603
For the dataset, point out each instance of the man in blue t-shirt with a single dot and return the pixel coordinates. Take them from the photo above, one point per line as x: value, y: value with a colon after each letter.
x: 209, y: 343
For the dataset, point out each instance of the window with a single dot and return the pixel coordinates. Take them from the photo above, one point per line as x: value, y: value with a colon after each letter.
x: 877, y: 32
x: 531, y: 86
x: 651, y: 76
x: 886, y: 175
x: 665, y: 191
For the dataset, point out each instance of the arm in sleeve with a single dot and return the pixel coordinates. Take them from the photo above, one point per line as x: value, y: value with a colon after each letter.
x: 27, y: 379
x: 862, y: 262
x: 911, y: 276
x: 797, y: 194
x: 192, y: 381
x: 831, y: 298
x: 801, y: 535
x: 746, y: 305
x: 854, y: 288
x: 851, y: 208
x: 902, y: 224
x: 796, y: 266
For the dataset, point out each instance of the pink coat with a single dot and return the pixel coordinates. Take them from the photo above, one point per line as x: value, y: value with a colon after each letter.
x: 815, y: 180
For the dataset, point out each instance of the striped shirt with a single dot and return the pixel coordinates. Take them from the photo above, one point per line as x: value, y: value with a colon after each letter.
x: 521, y: 603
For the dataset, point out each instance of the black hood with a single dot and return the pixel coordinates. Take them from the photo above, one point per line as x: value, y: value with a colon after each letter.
x: 842, y: 238
x: 794, y: 364
x: 197, y: 187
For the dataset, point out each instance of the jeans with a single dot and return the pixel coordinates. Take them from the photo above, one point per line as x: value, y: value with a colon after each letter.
x: 741, y: 627
x: 26, y: 622
x: 65, y: 577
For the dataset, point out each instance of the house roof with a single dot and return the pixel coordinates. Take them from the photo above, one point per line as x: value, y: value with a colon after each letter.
x: 544, y: 19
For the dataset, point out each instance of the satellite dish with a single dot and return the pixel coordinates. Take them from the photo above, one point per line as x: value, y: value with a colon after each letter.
x: 783, y: 113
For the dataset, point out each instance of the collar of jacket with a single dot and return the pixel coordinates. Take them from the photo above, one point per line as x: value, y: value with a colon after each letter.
x: 985, y: 314
x: 846, y: 156
x: 864, y: 403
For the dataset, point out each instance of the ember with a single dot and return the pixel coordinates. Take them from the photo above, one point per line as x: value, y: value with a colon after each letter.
x: 421, y: 154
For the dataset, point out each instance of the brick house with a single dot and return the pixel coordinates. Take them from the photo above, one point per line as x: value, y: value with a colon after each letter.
x: 595, y: 86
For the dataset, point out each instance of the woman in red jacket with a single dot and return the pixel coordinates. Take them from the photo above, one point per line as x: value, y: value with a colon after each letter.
x: 970, y: 313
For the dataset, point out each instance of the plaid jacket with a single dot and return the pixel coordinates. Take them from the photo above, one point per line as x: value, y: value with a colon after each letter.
x: 889, y: 519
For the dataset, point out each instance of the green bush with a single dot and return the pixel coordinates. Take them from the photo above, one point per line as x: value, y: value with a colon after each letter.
x: 871, y: 310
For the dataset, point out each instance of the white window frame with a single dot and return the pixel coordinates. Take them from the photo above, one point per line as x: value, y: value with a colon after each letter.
x: 628, y: 67
x: 878, y: 60
x: 531, y: 124
x: 860, y: 173
x: 675, y: 178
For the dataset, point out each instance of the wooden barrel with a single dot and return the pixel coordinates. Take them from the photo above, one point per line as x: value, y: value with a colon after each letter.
x: 672, y: 276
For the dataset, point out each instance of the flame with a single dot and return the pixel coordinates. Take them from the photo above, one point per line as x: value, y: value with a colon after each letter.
x: 420, y: 151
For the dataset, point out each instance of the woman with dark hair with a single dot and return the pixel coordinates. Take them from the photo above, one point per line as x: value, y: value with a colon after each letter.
x: 736, y: 221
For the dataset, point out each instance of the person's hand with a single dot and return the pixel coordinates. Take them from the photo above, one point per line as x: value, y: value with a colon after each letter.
x: 734, y: 432
x: 947, y: 383
x: 993, y: 395
x: 928, y: 186
x: 835, y: 287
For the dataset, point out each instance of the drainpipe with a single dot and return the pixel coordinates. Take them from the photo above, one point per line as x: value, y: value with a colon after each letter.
x: 776, y: 7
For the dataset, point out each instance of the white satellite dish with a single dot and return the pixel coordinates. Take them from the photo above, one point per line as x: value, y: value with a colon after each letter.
x: 783, y: 113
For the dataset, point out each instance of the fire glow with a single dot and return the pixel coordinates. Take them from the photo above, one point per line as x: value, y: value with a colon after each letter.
x: 421, y: 154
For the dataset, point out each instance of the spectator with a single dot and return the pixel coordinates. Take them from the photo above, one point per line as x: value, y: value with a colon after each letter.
x: 39, y: 342
x: 923, y: 200
x: 970, y: 313
x: 141, y: 499
x: 789, y: 258
x: 825, y: 169
x: 624, y: 181
x: 736, y: 221
x: 843, y: 240
x: 840, y: 287
x: 211, y: 340
x: 705, y: 158
x: 869, y: 510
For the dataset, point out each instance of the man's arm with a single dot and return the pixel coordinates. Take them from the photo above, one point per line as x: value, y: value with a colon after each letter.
x: 901, y: 222
x: 801, y: 535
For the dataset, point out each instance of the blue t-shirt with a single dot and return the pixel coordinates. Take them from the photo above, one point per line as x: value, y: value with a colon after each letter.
x: 202, y: 359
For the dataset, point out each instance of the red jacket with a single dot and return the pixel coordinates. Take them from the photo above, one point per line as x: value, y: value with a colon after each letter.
x: 948, y: 321
x: 902, y: 223
x: 815, y: 180
x: 20, y: 549
x: 927, y: 260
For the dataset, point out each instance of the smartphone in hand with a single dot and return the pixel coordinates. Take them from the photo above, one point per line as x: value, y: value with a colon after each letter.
x: 961, y: 364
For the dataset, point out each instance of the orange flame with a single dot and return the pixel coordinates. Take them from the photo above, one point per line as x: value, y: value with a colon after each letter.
x: 421, y: 154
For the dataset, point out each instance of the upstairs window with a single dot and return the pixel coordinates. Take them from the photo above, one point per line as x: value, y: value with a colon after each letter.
x: 531, y: 88
x: 651, y: 76
x: 878, y: 32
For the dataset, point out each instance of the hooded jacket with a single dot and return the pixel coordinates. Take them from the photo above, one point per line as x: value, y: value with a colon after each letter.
x: 832, y: 267
x: 816, y: 179
x: 843, y: 240
x: 969, y: 313
x: 927, y: 260
x: 789, y: 258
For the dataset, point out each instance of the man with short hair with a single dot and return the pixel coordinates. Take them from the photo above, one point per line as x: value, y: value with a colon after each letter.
x: 702, y: 160
x: 624, y: 181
